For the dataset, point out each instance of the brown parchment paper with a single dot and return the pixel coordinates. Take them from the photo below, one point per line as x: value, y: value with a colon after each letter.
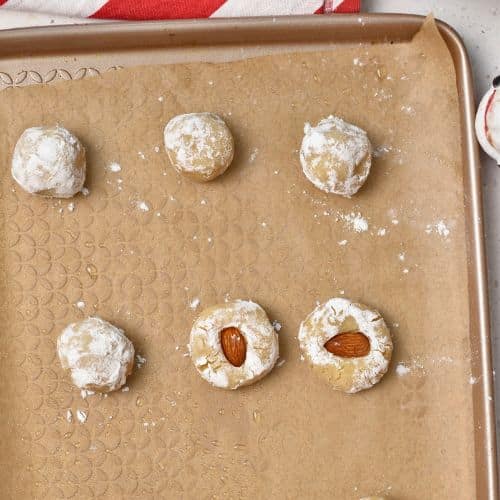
x: 261, y: 231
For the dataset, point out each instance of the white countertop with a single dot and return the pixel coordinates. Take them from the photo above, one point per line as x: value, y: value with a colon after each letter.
x: 478, y: 23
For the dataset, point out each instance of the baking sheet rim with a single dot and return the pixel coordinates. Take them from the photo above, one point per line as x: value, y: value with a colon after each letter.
x: 356, y: 27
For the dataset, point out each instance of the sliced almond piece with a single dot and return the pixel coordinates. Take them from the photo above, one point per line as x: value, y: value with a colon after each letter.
x: 348, y: 345
x: 234, y: 345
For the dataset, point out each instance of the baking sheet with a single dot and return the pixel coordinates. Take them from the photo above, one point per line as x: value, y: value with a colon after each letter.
x: 260, y: 232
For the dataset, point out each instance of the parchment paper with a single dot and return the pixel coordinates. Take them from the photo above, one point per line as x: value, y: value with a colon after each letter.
x: 146, y: 245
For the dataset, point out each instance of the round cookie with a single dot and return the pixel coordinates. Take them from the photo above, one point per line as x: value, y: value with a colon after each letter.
x: 97, y: 353
x: 199, y: 145
x: 346, y: 343
x: 233, y: 344
x: 336, y: 156
x: 49, y: 161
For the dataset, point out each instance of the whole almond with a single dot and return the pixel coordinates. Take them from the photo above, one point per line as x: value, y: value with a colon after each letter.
x: 348, y: 345
x: 234, y: 345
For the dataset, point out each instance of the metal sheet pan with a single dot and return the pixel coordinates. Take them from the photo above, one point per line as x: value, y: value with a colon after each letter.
x: 37, y: 55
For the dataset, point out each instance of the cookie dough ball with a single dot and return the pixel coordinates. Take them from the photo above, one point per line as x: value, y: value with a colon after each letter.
x: 49, y: 161
x: 233, y: 344
x: 336, y: 156
x: 97, y: 353
x: 346, y: 343
x: 199, y: 145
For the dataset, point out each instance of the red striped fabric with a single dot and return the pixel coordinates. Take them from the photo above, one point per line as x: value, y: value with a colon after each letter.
x: 350, y: 7
x: 176, y: 9
x: 180, y: 9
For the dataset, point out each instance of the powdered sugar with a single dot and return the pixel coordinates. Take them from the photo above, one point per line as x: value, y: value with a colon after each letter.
x: 419, y: 365
x: 114, y: 167
x: 326, y: 321
x: 198, y: 142
x: 261, y: 341
x: 253, y: 155
x: 49, y: 161
x: 106, y: 345
x: 276, y: 325
x: 354, y: 221
x: 440, y: 227
x: 81, y: 416
x: 331, y: 155
x: 194, y: 303
x: 402, y: 370
x: 143, y: 206
x: 140, y: 361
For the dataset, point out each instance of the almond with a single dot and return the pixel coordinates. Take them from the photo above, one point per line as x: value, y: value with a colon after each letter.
x: 234, y: 345
x: 348, y: 345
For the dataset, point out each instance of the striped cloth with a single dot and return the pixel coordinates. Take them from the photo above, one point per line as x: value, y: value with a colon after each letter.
x: 179, y: 9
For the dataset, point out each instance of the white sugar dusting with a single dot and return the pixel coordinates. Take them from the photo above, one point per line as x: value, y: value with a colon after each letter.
x: 473, y: 380
x: 80, y: 304
x: 85, y: 191
x: 139, y: 360
x: 71, y: 207
x: 96, y: 352
x: 408, y: 110
x: 49, y: 158
x: 206, y: 353
x: 321, y: 141
x: 355, y: 222
x: 276, y: 325
x: 381, y: 150
x: 342, y: 243
x: 322, y: 325
x: 401, y: 369
x: 69, y: 416
x: 81, y: 416
x: 194, y: 303
x: 381, y: 231
x: 114, y: 167
x: 142, y: 205
x: 253, y: 155
x: 419, y: 366
x: 85, y: 393
x: 190, y: 139
x: 440, y: 227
